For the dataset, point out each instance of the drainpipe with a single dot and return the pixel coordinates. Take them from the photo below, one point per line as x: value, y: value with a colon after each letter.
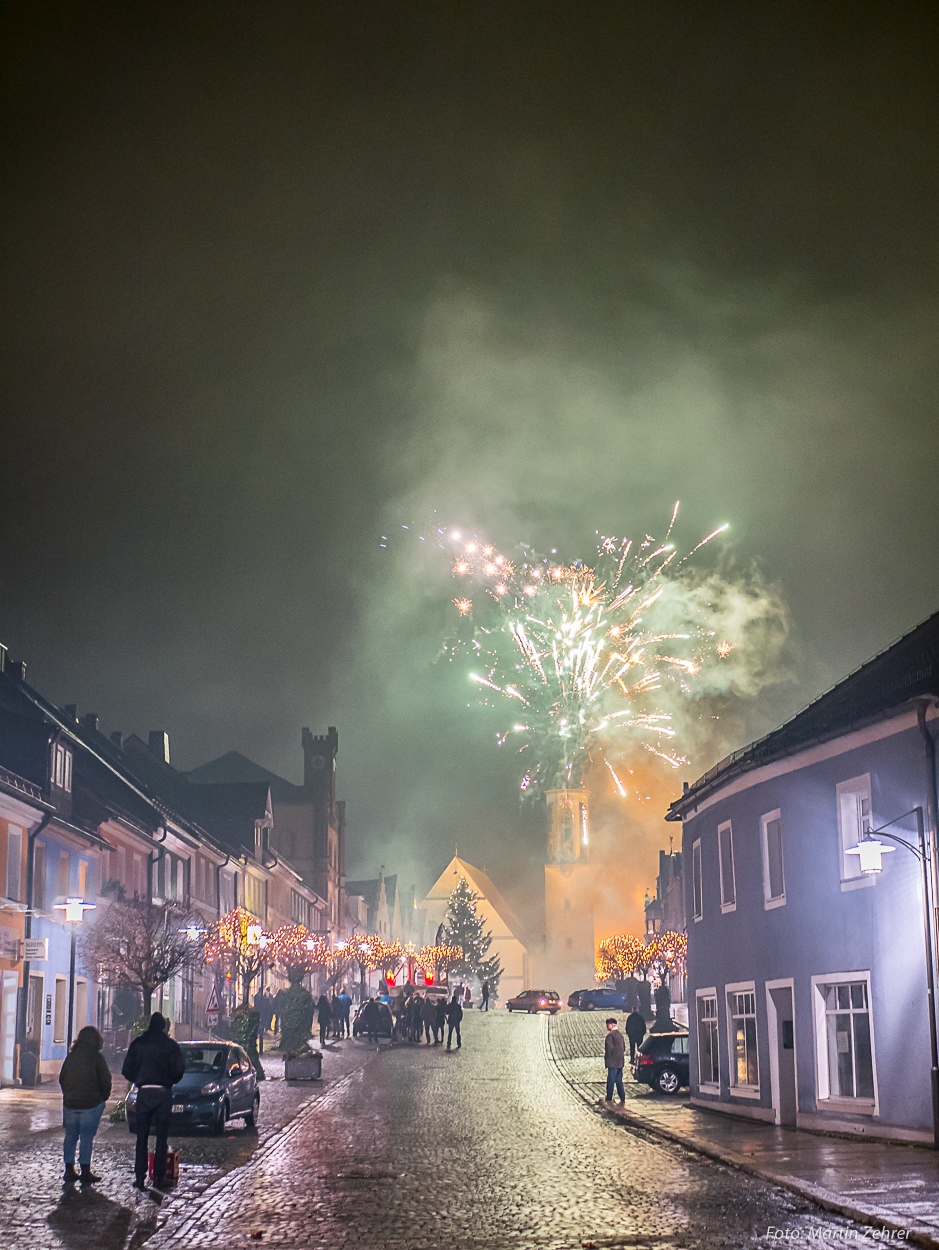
x: 932, y: 794
x: 154, y: 858
x: 28, y: 929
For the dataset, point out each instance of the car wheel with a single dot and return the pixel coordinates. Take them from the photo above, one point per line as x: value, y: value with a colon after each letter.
x: 221, y: 1118
x: 251, y: 1118
x: 510, y: 1010
x: 589, y: 1005
x: 666, y: 1080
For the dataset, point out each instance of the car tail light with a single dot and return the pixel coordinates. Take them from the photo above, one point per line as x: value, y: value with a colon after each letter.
x: 645, y: 1061
x: 542, y: 1002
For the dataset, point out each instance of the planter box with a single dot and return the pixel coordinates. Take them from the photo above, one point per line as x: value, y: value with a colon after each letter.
x: 304, y: 1067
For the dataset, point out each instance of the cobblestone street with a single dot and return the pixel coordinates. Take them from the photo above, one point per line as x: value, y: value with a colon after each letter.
x: 487, y: 1147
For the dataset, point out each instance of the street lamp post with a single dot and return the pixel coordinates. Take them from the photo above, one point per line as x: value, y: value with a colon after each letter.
x: 870, y: 851
x: 74, y: 909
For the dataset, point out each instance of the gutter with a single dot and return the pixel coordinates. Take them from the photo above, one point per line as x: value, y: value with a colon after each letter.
x: 28, y: 922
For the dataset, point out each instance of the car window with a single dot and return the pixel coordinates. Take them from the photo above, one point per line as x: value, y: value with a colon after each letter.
x: 680, y: 1046
x: 205, y: 1060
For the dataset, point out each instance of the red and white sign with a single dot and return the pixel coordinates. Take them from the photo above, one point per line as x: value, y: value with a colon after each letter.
x: 213, y: 1007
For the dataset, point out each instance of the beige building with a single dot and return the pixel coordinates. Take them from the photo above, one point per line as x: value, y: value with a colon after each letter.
x: 509, y: 941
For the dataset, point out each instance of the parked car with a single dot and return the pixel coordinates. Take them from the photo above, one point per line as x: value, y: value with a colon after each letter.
x: 219, y: 1084
x: 385, y: 1021
x: 662, y: 1062
x: 534, y: 1001
x: 598, y: 997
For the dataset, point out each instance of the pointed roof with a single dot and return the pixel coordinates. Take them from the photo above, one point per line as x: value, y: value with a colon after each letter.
x: 484, y: 887
x: 235, y: 767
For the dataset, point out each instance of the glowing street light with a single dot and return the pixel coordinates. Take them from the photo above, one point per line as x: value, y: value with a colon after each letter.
x: 74, y: 909
x: 870, y: 853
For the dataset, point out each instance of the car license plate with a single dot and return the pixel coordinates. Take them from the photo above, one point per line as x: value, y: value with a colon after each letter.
x: 178, y: 1108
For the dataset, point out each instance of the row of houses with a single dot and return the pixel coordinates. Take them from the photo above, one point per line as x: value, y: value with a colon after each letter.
x: 86, y: 816
x: 809, y: 971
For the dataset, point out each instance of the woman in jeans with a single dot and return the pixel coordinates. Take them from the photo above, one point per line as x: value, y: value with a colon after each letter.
x: 86, y: 1085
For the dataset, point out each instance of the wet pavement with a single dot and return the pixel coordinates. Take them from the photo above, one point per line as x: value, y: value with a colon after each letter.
x: 37, y: 1212
x: 488, y: 1148
x: 890, y: 1184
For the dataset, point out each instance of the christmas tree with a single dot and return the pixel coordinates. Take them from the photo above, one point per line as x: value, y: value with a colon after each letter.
x: 464, y: 928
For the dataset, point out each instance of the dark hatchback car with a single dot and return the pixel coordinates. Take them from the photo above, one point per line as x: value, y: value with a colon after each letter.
x: 385, y: 1022
x: 534, y: 1001
x: 219, y: 1084
x: 662, y: 1062
x: 598, y: 998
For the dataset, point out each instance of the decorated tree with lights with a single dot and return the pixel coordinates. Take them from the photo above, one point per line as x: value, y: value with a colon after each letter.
x: 239, y: 945
x: 391, y: 956
x: 436, y: 961
x: 464, y: 928
x: 668, y: 953
x: 296, y: 953
x: 618, y: 957
x: 365, y: 951
x: 135, y: 942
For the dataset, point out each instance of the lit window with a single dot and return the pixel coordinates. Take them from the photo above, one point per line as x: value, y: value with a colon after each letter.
x: 774, y: 881
x: 709, y: 1072
x: 741, y: 1007
x: 848, y: 1048
x: 854, y: 820
x: 725, y: 843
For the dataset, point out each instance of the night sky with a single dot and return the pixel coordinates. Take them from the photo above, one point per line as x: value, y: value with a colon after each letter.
x: 280, y: 278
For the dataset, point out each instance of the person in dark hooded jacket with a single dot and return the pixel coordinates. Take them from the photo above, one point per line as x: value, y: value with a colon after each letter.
x: 454, y: 1019
x: 154, y: 1063
x: 86, y: 1086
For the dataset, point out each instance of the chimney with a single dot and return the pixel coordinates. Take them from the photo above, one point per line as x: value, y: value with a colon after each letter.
x: 3, y: 657
x: 118, y: 739
x: 70, y: 710
x: 16, y: 669
x: 159, y: 743
x: 90, y: 721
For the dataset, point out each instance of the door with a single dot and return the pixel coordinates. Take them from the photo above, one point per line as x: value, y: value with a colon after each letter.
x: 781, y: 1017
x: 8, y: 1026
x: 34, y: 1010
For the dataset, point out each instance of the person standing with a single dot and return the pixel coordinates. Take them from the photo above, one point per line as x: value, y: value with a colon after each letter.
x: 485, y: 1003
x: 440, y: 1020
x: 154, y: 1063
x: 86, y: 1087
x: 429, y: 1013
x: 635, y: 1031
x: 454, y: 1018
x: 323, y: 1015
x: 614, y: 1056
x: 345, y: 1005
x: 370, y: 1020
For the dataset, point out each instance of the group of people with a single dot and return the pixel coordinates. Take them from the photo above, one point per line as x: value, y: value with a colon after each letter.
x: 424, y: 1017
x: 333, y: 1012
x: 154, y: 1063
x: 614, y: 1051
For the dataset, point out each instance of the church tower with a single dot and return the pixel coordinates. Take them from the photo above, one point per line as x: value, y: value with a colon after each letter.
x: 569, y: 893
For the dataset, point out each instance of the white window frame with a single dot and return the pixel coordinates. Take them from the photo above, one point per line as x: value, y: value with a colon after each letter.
x: 13, y: 874
x: 709, y: 1087
x: 850, y: 865
x: 735, y: 1089
x: 726, y: 904
x: 697, y: 882
x: 769, y: 901
x: 824, y: 1099
x: 60, y: 987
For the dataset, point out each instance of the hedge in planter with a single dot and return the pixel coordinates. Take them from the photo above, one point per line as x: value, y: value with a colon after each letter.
x: 296, y: 1019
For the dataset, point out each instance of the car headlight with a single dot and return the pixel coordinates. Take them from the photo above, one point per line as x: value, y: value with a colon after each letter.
x: 213, y: 1087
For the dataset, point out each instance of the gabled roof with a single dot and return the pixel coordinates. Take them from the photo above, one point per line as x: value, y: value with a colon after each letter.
x: 235, y: 767
x: 483, y: 886
x: 894, y: 677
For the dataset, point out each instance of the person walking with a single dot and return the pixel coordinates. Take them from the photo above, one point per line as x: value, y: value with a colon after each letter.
x: 484, y: 1006
x: 454, y: 1017
x: 635, y: 1031
x: 345, y: 1006
x: 429, y: 1014
x: 370, y: 1020
x: 323, y: 1015
x: 86, y: 1087
x: 440, y: 1020
x: 154, y: 1063
x: 614, y: 1056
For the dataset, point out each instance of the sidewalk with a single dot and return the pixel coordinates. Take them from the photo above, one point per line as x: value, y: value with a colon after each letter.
x: 893, y: 1187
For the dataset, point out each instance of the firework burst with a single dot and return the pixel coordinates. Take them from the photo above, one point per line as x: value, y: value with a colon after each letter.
x: 584, y: 655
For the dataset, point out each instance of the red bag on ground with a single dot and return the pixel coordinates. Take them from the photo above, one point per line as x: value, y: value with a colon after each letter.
x: 172, y: 1165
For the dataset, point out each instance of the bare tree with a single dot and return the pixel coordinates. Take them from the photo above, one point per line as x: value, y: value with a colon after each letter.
x: 143, y: 944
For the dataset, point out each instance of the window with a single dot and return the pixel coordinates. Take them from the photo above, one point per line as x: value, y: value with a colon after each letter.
x: 725, y: 846
x: 62, y: 767
x: 774, y: 882
x: 61, y: 1009
x: 65, y: 872
x: 845, y: 1038
x: 256, y: 896
x: 227, y: 892
x: 14, y: 862
x: 854, y: 820
x: 709, y: 1072
x: 180, y: 881
x: 82, y: 878
x: 140, y: 877
x: 741, y: 1010
x: 697, y: 905
x: 39, y: 876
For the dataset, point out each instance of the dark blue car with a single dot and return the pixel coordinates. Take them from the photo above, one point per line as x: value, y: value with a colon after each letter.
x: 219, y: 1084
x: 599, y: 998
